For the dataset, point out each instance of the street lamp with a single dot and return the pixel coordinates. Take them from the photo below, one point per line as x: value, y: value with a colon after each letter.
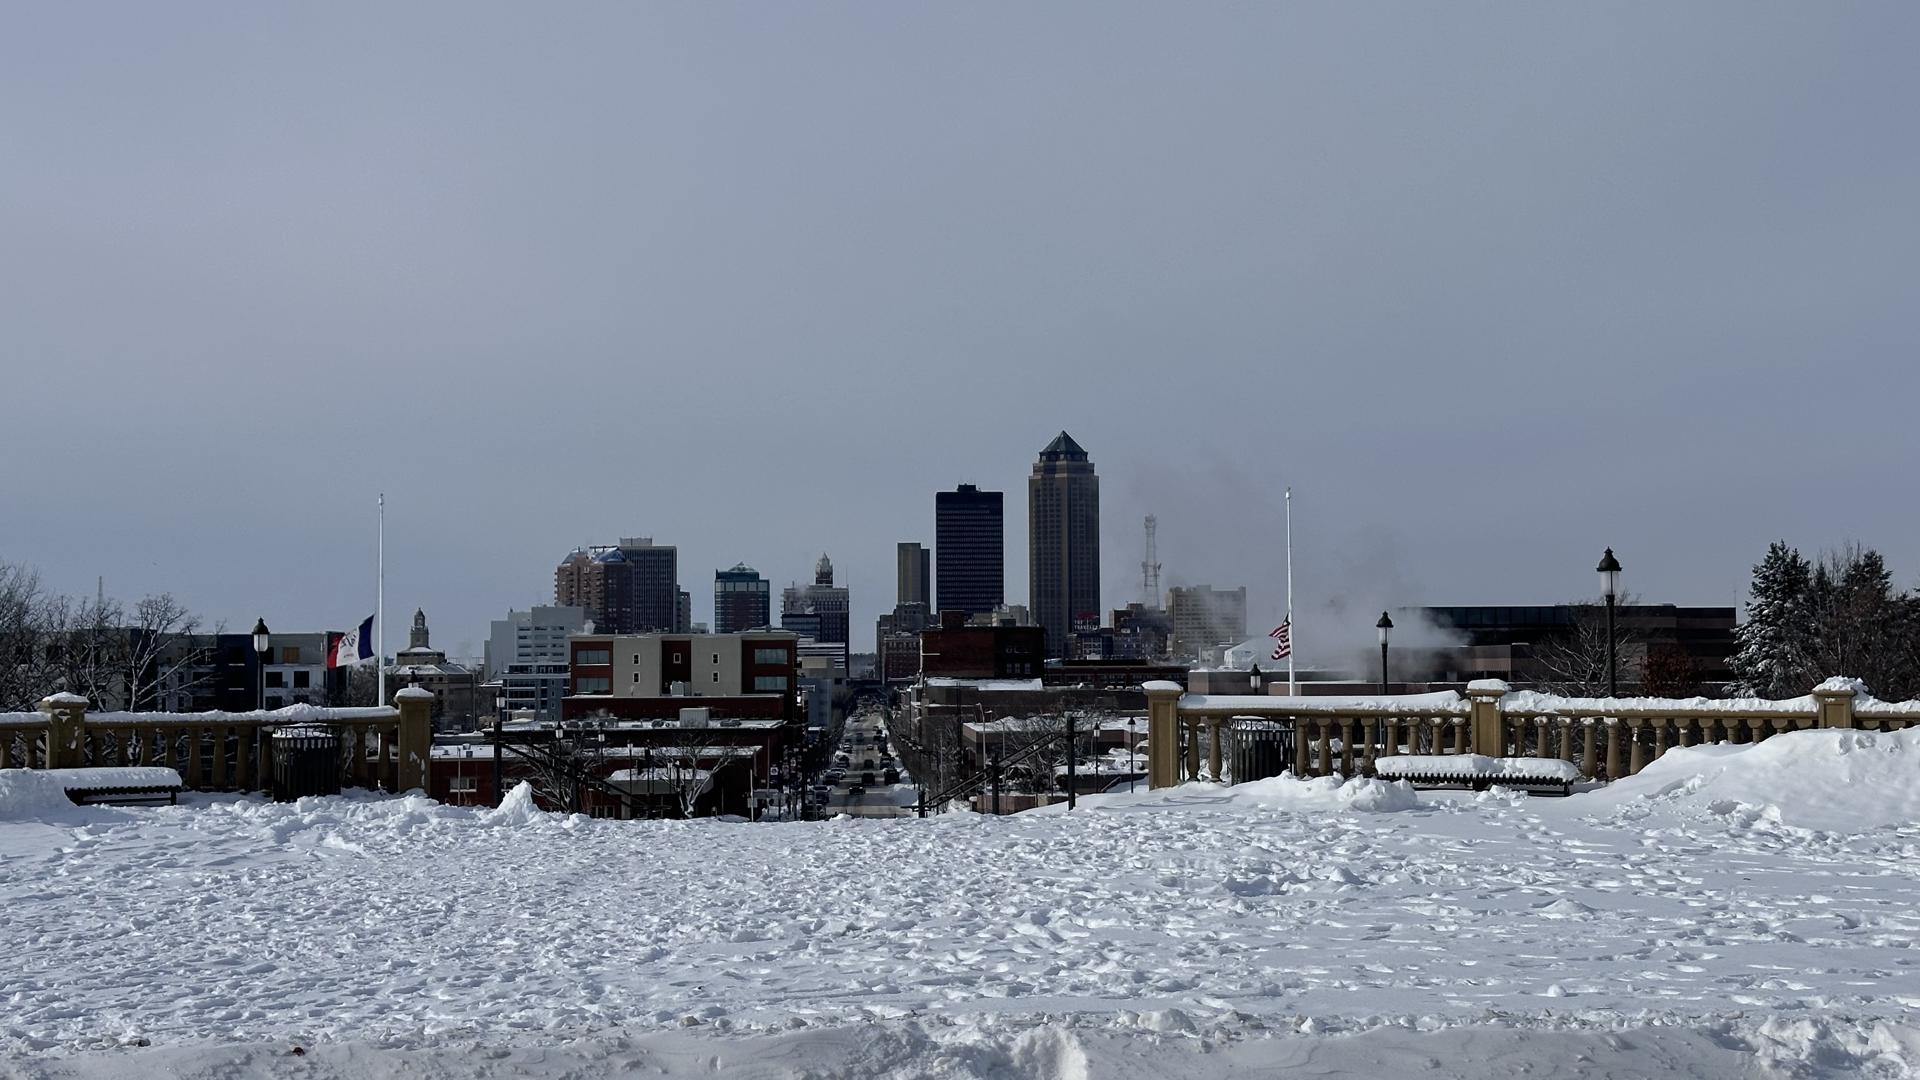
x: 1133, y: 764
x: 1255, y: 679
x: 1609, y: 570
x: 262, y: 641
x: 1385, y: 627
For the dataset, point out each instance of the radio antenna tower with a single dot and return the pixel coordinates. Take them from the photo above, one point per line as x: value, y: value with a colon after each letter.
x: 1150, y: 568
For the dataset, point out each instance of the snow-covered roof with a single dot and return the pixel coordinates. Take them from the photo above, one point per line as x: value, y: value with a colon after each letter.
x: 1006, y: 685
x: 1445, y: 701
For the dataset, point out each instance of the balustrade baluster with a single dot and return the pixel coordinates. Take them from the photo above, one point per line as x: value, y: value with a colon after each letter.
x: 1636, y: 746
x: 219, y: 782
x: 1612, y: 729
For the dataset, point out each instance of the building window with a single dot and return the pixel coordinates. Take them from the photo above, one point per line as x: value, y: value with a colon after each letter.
x: 676, y: 658
x: 276, y: 679
x: 770, y: 682
x: 466, y: 784
x: 636, y: 678
x: 290, y: 654
x: 769, y: 656
x: 302, y: 679
x: 716, y: 659
x: 716, y: 676
x: 591, y: 684
x: 593, y: 656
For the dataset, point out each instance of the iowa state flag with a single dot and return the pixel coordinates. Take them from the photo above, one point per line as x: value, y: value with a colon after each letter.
x: 353, y: 647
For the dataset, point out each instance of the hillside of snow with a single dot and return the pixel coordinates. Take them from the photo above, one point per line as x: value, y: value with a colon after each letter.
x: 1672, y: 924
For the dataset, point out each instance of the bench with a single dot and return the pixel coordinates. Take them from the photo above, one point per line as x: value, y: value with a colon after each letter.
x: 1479, y: 772
x: 138, y: 785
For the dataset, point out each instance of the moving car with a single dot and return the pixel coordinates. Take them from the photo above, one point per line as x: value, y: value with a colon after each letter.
x: 891, y: 776
x: 856, y: 791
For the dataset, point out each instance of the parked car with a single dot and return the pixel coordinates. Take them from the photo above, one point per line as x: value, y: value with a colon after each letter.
x: 891, y: 776
x: 835, y: 775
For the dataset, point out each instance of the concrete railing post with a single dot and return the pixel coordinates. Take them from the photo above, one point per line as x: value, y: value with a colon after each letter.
x: 1163, y: 734
x: 1483, y: 701
x: 66, y: 730
x: 415, y: 741
x: 1836, y: 697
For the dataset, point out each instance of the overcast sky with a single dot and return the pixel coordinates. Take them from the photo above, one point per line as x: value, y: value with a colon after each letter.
x: 1491, y: 286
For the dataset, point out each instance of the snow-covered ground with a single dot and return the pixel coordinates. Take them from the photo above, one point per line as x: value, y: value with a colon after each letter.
x: 1732, y: 911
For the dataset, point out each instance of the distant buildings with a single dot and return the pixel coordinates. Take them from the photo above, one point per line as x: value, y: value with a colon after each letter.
x: 652, y: 676
x: 969, y: 550
x: 914, y: 575
x: 1135, y: 632
x: 1541, y: 645
x: 1063, y: 542
x: 821, y: 611
x: 960, y: 650
x: 1204, y: 617
x: 526, y: 659
x: 896, y: 634
x: 455, y: 686
x: 742, y: 600
x: 632, y: 587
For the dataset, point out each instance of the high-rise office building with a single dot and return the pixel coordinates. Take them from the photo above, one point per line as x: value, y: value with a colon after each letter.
x: 1063, y: 541
x: 632, y: 587
x: 969, y: 538
x: 821, y: 610
x: 742, y: 600
x: 526, y: 659
x: 915, y: 578
x: 1202, y: 617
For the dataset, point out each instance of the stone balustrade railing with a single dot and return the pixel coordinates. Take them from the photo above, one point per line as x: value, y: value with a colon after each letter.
x: 1606, y: 737
x: 381, y: 747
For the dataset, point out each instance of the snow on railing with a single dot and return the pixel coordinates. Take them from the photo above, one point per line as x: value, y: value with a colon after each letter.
x: 215, y: 750
x: 1606, y: 738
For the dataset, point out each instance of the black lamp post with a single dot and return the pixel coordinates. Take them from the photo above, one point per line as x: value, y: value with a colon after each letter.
x: 1255, y: 679
x: 262, y: 641
x: 1609, y: 570
x: 1385, y: 627
x: 1133, y: 763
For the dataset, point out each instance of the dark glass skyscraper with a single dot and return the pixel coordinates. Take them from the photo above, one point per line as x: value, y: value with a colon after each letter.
x: 1063, y: 541
x: 969, y: 549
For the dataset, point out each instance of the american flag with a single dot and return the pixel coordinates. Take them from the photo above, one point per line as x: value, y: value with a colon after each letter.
x: 1282, y: 636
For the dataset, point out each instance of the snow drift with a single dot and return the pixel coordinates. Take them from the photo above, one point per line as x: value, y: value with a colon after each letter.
x: 33, y: 795
x: 1828, y: 780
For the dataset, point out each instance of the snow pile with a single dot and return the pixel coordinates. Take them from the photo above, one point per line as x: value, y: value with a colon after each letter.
x: 1425, y: 766
x: 32, y: 795
x: 1325, y: 793
x: 517, y: 808
x: 1832, y: 780
x: 101, y: 777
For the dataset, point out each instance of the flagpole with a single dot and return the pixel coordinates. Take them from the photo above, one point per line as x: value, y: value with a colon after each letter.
x: 380, y: 605
x: 1293, y: 637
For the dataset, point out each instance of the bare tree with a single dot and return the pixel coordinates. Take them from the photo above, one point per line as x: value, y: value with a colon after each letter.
x: 30, y: 623
x: 682, y: 768
x: 156, y: 650
x: 1574, y: 662
x: 557, y: 769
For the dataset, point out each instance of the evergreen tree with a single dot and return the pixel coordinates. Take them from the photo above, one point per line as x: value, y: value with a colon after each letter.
x: 1773, y: 656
